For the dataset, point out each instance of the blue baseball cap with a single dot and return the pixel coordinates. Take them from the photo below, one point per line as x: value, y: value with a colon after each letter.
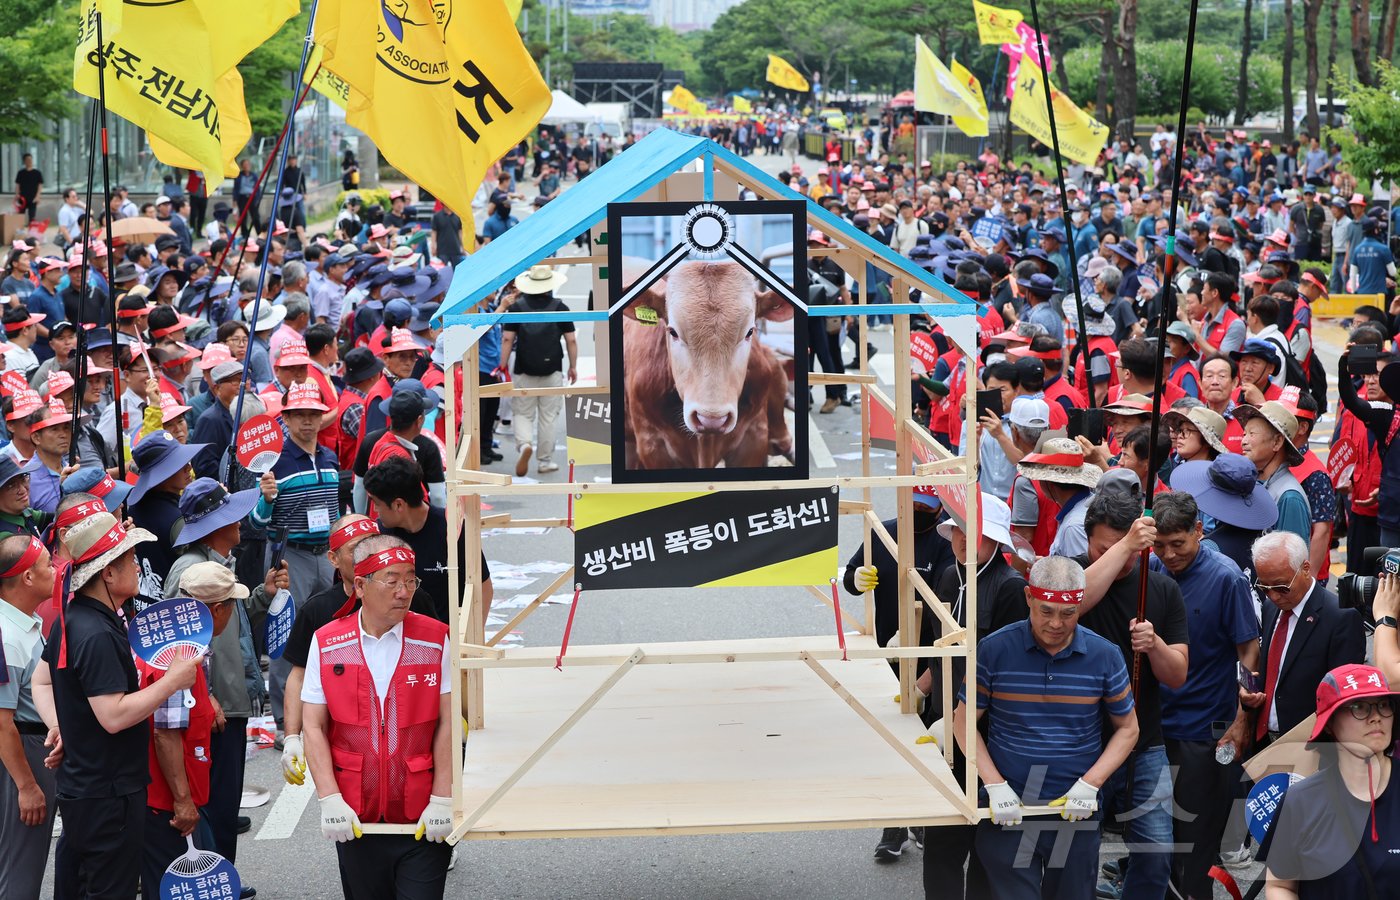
x: 95, y: 480
x: 429, y: 397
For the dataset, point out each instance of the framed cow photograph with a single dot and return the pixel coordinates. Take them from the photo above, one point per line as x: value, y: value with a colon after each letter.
x: 709, y: 337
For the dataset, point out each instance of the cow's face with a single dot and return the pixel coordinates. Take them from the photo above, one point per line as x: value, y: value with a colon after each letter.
x: 710, y: 311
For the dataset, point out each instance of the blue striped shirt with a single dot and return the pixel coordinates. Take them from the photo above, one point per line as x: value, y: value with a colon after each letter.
x: 1045, y: 714
x: 308, y: 491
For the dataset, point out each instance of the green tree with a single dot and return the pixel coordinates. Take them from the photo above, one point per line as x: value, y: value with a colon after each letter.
x: 268, y: 73
x: 36, y: 67
x: 1371, y: 142
x: 1161, y: 66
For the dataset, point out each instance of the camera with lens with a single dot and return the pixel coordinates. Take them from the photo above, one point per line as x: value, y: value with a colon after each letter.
x: 1356, y: 590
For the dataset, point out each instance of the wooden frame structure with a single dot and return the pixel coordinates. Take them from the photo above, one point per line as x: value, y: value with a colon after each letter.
x: 761, y: 734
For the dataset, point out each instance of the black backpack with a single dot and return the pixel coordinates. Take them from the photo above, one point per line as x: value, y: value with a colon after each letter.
x: 539, y: 348
x: 1317, y: 383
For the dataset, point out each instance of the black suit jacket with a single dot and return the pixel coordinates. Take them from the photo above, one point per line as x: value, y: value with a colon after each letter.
x: 1326, y: 636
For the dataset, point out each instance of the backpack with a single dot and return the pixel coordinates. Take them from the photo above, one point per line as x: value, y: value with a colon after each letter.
x: 539, y: 349
x: 1317, y: 383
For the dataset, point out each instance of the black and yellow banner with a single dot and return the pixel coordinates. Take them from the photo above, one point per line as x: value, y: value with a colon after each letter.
x: 588, y: 424
x: 708, y: 539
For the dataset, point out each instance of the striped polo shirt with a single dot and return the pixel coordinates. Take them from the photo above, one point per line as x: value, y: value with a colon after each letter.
x: 1046, y: 714
x: 308, y: 495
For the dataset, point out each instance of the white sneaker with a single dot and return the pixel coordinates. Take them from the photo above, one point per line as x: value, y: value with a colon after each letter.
x: 548, y: 466
x: 522, y: 465
x: 1241, y: 857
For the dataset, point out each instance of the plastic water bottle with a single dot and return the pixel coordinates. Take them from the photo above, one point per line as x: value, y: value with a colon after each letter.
x: 1225, y: 754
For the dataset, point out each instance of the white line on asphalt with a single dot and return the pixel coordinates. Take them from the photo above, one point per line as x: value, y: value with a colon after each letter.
x: 821, y: 456
x: 286, y: 811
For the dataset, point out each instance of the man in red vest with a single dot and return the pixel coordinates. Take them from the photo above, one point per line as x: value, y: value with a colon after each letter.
x: 385, y: 670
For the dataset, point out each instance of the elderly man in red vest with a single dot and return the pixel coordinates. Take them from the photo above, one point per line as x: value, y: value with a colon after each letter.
x: 376, y: 722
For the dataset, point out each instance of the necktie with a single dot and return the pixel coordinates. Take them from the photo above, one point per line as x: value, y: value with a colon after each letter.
x: 1271, y: 679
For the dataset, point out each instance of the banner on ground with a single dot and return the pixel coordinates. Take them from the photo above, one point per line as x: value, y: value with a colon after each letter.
x: 442, y: 88
x: 936, y: 89
x: 708, y: 539
x: 588, y: 426
x: 681, y: 98
x: 974, y: 125
x: 996, y: 25
x: 1082, y: 137
x: 165, y: 69
x: 782, y: 73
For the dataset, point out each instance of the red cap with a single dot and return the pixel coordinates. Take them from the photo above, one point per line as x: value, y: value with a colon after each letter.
x: 1345, y: 684
x: 304, y: 396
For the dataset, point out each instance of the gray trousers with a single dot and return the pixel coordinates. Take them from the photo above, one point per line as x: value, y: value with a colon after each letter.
x: 26, y: 848
x: 310, y: 574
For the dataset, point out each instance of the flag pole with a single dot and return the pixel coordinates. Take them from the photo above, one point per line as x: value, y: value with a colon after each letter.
x: 281, y: 173
x: 1064, y: 201
x: 85, y: 291
x: 992, y: 86
x: 118, y: 418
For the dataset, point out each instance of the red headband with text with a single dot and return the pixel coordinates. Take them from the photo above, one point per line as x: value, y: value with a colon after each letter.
x: 75, y: 514
x: 26, y: 559
x: 347, y: 533
x: 1052, y: 596
x: 382, y: 560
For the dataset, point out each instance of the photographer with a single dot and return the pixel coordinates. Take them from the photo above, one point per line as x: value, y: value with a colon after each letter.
x: 1379, y: 422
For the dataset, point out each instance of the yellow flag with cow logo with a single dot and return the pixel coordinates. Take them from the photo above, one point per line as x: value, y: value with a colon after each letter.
x: 444, y: 88
x: 972, y: 126
x: 1082, y: 137
x: 782, y: 73
x: 166, y: 68
x: 936, y: 89
x: 996, y: 25
x: 681, y: 97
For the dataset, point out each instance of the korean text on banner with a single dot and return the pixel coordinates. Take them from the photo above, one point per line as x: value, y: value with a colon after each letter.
x: 165, y: 63
x: 234, y: 129
x: 681, y: 98
x: 325, y: 82
x: 588, y: 426
x: 972, y: 126
x: 720, y: 539
x: 996, y: 25
x: 1082, y: 137
x: 782, y: 73
x: 1028, y: 42
x: 935, y: 88
x: 442, y: 87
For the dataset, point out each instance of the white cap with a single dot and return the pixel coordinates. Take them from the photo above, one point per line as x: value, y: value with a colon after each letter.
x: 996, y: 521
x: 1029, y: 412
x: 162, y: 199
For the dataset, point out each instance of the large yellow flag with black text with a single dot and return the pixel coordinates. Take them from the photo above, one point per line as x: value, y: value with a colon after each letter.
x: 680, y: 97
x: 443, y: 87
x: 996, y: 25
x: 782, y: 73
x: 975, y: 125
x: 936, y: 89
x: 1082, y: 137
x: 165, y: 70
x: 234, y: 130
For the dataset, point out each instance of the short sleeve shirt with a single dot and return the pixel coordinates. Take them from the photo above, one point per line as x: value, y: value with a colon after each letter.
x: 22, y: 647
x: 1322, y: 497
x: 95, y: 763
x: 1110, y: 617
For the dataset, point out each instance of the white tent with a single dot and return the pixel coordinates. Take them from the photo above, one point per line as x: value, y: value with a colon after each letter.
x: 565, y: 109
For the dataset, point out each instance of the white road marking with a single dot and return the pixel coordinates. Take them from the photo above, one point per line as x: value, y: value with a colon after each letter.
x: 821, y: 456
x: 286, y: 812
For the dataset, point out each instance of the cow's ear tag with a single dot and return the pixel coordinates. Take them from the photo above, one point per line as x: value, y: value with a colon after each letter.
x: 646, y: 315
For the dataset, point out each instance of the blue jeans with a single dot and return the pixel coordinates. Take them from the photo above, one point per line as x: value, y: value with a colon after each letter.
x: 1040, y: 859
x: 1336, y: 284
x: 1146, y: 814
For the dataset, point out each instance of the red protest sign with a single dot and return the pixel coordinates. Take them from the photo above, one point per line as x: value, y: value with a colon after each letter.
x: 1341, y: 462
x: 922, y: 349
x: 259, y: 444
x: 12, y: 382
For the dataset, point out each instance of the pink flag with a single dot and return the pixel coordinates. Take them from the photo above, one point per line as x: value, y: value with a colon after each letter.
x: 1014, y: 52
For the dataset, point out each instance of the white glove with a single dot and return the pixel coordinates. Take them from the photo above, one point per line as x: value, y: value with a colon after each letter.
x: 338, y: 821
x: 866, y: 577
x: 436, y: 821
x: 1005, y: 806
x: 293, y: 760
x: 1079, y: 802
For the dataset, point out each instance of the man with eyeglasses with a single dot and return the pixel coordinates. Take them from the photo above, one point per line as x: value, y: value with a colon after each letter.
x: 385, y: 670
x: 1305, y: 635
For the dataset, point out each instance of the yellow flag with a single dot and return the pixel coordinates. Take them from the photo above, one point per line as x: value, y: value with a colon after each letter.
x: 972, y: 126
x: 936, y: 89
x: 996, y: 25
x: 742, y: 105
x: 234, y: 129
x: 698, y: 109
x: 781, y: 73
x: 165, y: 62
x: 513, y: 7
x: 325, y: 82
x: 443, y: 88
x: 1082, y: 138
x: 680, y: 97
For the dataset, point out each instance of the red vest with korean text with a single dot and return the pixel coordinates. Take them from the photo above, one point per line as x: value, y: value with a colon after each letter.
x: 382, y: 753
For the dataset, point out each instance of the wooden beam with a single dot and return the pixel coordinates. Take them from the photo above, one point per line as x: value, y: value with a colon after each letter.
x: 912, y: 758
x: 846, y: 482
x: 524, y: 768
x: 877, y: 528
x: 837, y: 378
x: 574, y: 261
x: 825, y: 598
x: 479, y: 651
x: 530, y: 607
x: 854, y: 507
x: 939, y: 608
x: 479, y: 477
x: 579, y: 656
x: 508, y: 389
x: 921, y: 435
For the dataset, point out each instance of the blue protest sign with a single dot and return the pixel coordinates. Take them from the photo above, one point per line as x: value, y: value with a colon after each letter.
x: 281, y: 614
x: 200, y: 875
x: 1263, y: 802
x: 171, y: 630
x: 987, y: 230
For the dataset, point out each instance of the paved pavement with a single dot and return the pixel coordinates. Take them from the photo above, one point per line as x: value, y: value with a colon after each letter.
x: 284, y: 855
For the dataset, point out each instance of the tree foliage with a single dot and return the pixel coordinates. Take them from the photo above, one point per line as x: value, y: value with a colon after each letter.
x: 268, y: 73
x: 1371, y: 142
x: 36, y: 67
x: 614, y: 37
x: 1161, y: 67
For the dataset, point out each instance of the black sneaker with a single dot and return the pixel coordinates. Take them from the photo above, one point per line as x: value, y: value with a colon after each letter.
x: 245, y: 824
x: 891, y: 846
x: 916, y: 833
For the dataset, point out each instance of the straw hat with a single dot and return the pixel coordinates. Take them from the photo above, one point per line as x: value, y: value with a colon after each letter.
x: 540, y: 280
x: 1130, y: 405
x: 1060, y: 460
x: 1280, y: 420
x: 1207, y: 421
x: 98, y: 540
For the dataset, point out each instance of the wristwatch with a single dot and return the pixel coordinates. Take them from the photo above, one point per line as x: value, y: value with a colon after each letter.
x: 1388, y: 621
